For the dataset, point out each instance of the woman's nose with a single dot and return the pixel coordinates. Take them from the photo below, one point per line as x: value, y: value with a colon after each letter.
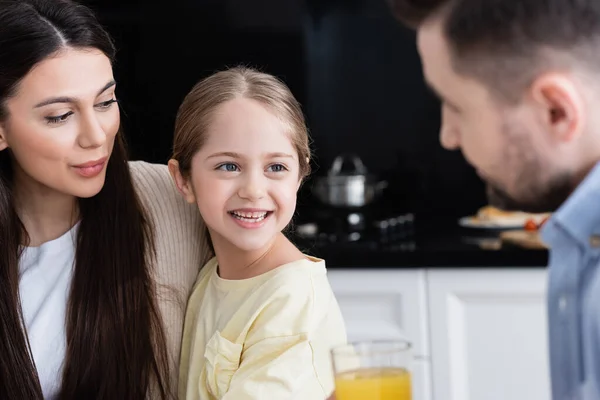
x: 91, y: 134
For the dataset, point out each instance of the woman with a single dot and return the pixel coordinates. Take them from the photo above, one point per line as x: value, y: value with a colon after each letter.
x: 89, y: 243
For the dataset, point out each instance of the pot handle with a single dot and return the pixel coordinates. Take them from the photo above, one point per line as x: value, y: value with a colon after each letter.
x: 338, y: 163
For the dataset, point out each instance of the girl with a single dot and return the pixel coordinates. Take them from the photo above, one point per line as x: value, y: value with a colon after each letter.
x: 262, y: 317
x: 81, y: 316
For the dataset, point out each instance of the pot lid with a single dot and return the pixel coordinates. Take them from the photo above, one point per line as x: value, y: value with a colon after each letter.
x: 358, y: 168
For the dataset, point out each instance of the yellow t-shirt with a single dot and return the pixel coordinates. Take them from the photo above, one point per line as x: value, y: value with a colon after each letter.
x: 264, y: 338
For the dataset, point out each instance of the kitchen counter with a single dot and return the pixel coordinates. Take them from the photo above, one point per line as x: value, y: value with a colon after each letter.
x: 430, y: 245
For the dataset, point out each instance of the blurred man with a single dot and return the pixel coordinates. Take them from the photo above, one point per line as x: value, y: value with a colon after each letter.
x: 519, y: 82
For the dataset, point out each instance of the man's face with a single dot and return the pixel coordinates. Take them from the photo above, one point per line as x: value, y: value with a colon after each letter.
x: 509, y: 146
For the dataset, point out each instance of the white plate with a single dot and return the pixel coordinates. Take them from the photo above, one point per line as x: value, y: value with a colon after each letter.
x: 516, y: 222
x: 471, y: 222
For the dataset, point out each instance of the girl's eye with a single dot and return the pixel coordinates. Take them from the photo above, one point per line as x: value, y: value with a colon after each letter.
x: 277, y: 168
x: 229, y: 167
x: 59, y: 118
x: 106, y: 104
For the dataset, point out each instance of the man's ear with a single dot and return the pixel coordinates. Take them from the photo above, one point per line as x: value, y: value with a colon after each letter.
x: 3, y: 142
x: 560, y: 104
x: 183, y: 185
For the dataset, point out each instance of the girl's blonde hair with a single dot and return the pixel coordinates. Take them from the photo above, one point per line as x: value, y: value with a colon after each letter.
x: 195, y: 113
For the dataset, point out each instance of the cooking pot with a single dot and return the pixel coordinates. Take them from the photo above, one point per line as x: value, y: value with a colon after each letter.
x: 354, y: 188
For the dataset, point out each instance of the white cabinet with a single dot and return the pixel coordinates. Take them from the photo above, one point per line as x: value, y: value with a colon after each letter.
x: 387, y: 304
x: 383, y: 304
x: 478, y: 333
x: 489, y: 334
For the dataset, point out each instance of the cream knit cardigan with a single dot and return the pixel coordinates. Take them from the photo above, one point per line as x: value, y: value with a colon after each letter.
x: 181, y: 249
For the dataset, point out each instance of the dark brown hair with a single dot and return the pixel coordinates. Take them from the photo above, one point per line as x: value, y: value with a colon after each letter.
x: 115, y: 339
x: 506, y: 43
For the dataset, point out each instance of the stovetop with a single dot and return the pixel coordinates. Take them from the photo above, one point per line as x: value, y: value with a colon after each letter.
x: 387, y: 234
x: 374, y: 227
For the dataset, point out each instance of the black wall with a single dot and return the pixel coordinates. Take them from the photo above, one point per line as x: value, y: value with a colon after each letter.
x: 352, y: 66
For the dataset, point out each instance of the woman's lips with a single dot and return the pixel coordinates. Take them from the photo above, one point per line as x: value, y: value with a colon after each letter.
x: 90, y: 169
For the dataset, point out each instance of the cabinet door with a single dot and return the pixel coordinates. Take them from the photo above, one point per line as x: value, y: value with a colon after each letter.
x: 387, y: 304
x: 489, y: 334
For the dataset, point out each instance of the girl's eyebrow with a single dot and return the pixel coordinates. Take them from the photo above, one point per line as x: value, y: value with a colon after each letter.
x: 225, y: 154
x: 237, y: 155
x: 280, y: 155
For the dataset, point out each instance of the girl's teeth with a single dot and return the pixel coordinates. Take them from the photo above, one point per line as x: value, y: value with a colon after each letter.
x: 249, y: 217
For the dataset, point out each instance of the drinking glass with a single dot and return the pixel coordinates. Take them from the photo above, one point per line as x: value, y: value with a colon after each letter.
x: 373, y: 370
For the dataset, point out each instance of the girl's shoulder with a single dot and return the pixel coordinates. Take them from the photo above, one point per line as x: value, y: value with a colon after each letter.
x: 294, y: 279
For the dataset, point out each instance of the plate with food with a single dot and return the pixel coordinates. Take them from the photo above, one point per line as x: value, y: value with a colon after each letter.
x: 529, y: 239
x: 490, y: 217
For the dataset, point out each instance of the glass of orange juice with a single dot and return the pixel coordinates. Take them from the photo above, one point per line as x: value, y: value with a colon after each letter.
x: 373, y: 370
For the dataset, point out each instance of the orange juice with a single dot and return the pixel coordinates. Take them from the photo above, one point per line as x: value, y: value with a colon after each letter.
x: 373, y: 384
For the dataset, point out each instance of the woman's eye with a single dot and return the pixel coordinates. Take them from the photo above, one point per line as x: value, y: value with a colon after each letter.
x: 106, y: 104
x: 229, y: 167
x: 59, y: 118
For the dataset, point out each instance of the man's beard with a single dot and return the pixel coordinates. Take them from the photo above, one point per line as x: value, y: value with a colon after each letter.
x: 537, y: 199
x: 537, y: 188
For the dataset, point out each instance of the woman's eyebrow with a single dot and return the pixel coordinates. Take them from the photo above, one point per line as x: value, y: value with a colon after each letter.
x: 67, y: 99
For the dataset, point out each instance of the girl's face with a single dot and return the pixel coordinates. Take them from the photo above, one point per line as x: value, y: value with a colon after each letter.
x: 62, y: 123
x: 245, y: 177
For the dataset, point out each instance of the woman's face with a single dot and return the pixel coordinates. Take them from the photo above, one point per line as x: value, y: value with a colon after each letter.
x: 62, y: 122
